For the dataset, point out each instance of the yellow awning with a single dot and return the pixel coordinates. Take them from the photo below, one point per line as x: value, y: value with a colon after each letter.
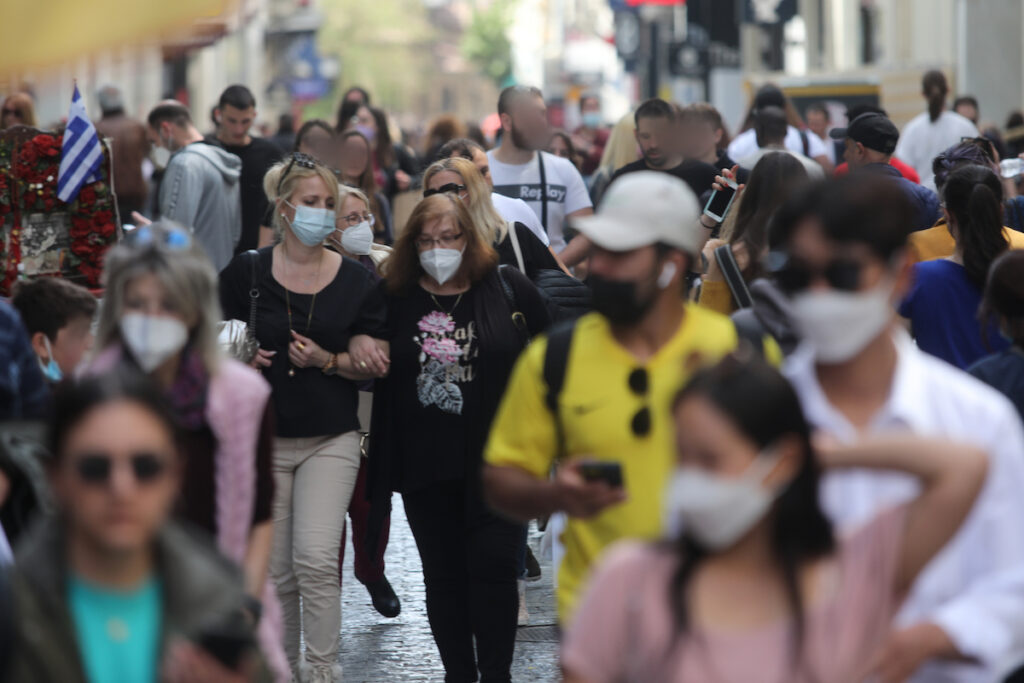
x: 41, y: 33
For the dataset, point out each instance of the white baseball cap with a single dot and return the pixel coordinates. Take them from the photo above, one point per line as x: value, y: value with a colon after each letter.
x: 642, y: 209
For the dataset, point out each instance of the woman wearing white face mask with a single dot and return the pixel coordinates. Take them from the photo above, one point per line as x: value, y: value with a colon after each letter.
x: 160, y: 314
x: 756, y: 587
x: 354, y: 234
x: 312, y: 307
x: 454, y: 334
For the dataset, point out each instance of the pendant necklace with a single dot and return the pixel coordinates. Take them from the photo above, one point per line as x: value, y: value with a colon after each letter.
x: 441, y: 308
x: 312, y: 305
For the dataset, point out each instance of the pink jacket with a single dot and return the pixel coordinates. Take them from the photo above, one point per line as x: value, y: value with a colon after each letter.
x: 235, y: 403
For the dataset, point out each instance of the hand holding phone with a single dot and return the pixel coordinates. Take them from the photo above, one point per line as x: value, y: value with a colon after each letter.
x: 721, y: 199
x: 584, y: 488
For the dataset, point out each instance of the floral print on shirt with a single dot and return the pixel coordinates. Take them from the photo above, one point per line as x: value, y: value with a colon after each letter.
x: 445, y: 354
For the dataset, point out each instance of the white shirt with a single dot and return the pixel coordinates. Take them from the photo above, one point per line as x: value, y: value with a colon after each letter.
x: 922, y: 141
x: 566, y: 191
x: 974, y: 587
x: 745, y: 144
x: 814, y: 169
x: 518, y: 211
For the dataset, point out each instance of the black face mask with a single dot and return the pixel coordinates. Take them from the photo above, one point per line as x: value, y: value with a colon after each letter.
x: 618, y: 300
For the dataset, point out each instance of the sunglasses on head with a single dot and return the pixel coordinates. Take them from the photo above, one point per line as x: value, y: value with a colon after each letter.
x: 639, y: 385
x: 97, y: 468
x: 174, y: 238
x: 297, y: 159
x: 842, y: 274
x: 446, y: 188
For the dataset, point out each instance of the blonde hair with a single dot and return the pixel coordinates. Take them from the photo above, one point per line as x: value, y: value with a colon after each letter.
x: 188, y: 279
x: 277, y: 188
x: 486, y: 219
x: 621, y: 147
x: 346, y: 191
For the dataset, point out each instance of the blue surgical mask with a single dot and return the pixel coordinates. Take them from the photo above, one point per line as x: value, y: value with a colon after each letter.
x: 311, y: 226
x: 592, y: 119
x: 51, y: 370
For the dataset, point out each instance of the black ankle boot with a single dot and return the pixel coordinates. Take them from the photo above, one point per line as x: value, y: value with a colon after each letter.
x: 384, y: 599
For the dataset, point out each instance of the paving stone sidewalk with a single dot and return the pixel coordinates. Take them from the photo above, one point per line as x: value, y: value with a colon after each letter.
x: 375, y: 649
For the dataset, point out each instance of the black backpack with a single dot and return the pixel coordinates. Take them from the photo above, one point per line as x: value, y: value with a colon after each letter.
x: 566, y: 297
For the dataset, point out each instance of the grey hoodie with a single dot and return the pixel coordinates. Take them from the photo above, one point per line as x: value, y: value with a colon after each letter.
x: 200, y: 190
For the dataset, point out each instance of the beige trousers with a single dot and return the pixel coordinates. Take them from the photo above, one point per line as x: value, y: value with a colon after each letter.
x: 314, y: 478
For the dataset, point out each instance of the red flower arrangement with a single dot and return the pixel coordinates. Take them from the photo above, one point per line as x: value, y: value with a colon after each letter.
x: 29, y: 174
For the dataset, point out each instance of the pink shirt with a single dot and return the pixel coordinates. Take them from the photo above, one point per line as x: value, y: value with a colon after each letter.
x: 624, y: 627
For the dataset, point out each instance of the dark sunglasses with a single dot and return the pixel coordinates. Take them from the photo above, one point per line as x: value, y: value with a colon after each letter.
x: 96, y: 469
x: 12, y: 112
x: 449, y: 187
x: 841, y: 274
x: 639, y: 385
x: 297, y: 159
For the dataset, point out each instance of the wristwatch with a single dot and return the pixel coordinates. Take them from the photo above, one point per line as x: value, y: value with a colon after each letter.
x: 331, y: 366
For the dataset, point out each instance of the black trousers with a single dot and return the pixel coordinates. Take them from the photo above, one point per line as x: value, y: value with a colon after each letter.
x: 469, y: 560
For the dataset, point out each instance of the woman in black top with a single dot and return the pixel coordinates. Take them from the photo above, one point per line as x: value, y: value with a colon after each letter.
x: 312, y: 306
x: 455, y: 333
x: 461, y: 177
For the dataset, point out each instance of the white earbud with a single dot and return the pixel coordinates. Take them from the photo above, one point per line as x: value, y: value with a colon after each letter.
x: 667, y: 273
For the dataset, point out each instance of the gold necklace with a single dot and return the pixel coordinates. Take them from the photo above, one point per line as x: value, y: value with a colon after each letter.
x: 288, y: 303
x: 438, y: 303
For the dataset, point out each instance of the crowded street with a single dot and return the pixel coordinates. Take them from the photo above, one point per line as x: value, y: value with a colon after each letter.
x: 585, y: 341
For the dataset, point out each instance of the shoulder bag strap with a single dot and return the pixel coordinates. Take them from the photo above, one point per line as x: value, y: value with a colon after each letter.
x: 543, y: 193
x: 518, y: 318
x: 254, y: 291
x: 805, y: 142
x: 556, y: 363
x: 516, y: 246
x: 733, y: 276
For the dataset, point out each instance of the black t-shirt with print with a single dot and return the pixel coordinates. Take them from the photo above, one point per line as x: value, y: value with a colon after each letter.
x: 437, y: 361
x: 310, y: 403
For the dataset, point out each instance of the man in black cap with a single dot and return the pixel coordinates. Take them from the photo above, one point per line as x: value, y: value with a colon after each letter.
x: 870, y: 141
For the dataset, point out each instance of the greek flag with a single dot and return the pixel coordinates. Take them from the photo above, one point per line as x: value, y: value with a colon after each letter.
x: 80, y: 155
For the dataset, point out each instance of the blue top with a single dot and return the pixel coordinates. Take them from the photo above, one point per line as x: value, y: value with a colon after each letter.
x: 924, y: 201
x: 942, y: 306
x: 118, y: 631
x: 1004, y: 372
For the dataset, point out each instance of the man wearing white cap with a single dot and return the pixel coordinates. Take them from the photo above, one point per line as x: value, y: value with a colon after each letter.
x: 601, y: 390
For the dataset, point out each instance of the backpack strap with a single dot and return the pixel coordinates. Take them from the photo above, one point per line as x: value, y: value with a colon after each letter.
x: 556, y: 363
x: 805, y: 142
x: 254, y: 291
x: 516, y: 247
x: 733, y: 277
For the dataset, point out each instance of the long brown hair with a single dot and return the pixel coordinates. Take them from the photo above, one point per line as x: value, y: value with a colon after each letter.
x: 935, y: 88
x: 403, y: 270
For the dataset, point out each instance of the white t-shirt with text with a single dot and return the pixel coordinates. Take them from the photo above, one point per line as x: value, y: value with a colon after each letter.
x: 566, y: 191
x: 518, y: 211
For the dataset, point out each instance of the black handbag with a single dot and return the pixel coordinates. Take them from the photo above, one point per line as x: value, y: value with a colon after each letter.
x: 566, y: 297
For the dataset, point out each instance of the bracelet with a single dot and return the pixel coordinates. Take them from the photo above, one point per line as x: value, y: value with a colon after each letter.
x: 331, y: 366
x: 705, y: 225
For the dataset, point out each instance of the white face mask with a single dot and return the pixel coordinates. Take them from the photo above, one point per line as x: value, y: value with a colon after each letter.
x: 840, y: 324
x: 441, y: 264
x: 358, y: 239
x: 152, y: 339
x: 160, y: 156
x: 717, y: 511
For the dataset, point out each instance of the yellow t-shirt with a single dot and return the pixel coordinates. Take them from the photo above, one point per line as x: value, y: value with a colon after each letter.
x: 597, y: 408
x: 937, y: 242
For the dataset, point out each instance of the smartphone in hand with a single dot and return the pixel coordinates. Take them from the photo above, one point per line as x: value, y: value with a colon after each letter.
x: 721, y: 201
x: 608, y: 472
